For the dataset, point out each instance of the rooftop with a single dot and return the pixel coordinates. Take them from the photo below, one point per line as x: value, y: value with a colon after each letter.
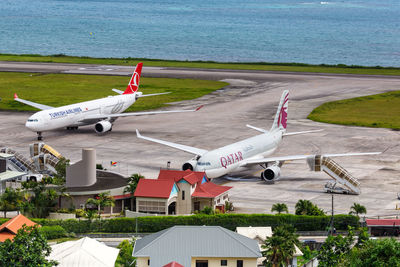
x: 105, y: 181
x: 154, y: 188
x: 10, y: 228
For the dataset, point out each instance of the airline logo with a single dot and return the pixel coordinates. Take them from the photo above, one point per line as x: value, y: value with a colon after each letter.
x: 63, y: 113
x: 231, y: 159
x: 282, y: 120
x: 134, y: 82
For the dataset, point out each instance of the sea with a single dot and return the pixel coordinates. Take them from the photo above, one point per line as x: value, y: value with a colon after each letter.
x: 352, y: 32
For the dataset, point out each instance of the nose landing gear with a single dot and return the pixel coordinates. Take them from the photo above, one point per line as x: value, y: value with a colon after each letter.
x: 40, y: 137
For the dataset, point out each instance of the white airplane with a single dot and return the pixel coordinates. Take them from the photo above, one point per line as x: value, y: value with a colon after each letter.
x: 101, y: 112
x: 249, y: 152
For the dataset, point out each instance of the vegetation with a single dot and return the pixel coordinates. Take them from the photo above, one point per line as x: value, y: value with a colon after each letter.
x: 279, y: 207
x: 381, y: 110
x: 29, y: 248
x: 63, y: 89
x: 61, y: 171
x: 357, y: 209
x: 131, y: 187
x: 306, y: 207
x: 125, y: 258
x: 280, y: 247
x: 39, y: 200
x: 230, y: 221
x: 297, y: 67
x: 53, y: 232
x: 10, y: 200
x: 103, y: 200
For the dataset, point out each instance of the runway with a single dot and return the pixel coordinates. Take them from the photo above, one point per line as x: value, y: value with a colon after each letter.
x: 251, y: 98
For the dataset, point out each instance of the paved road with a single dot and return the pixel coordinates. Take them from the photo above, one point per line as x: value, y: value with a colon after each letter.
x: 251, y: 98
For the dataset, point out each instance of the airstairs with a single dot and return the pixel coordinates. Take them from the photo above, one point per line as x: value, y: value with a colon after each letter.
x: 19, y: 162
x: 337, y: 172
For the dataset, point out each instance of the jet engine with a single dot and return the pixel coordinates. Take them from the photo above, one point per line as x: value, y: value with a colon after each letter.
x: 102, y: 126
x: 189, y: 165
x: 271, y: 173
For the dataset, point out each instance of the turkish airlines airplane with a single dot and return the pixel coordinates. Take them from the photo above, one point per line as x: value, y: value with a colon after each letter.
x: 101, y: 112
x: 252, y: 151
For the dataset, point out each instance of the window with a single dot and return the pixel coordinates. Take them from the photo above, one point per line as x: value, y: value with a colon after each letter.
x: 148, y: 262
x: 201, y: 263
x: 183, y: 195
x: 239, y: 263
x: 224, y: 263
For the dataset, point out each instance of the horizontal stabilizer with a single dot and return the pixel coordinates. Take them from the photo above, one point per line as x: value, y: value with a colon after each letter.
x: 189, y: 149
x: 256, y: 128
x: 118, y: 91
x: 154, y: 94
x: 303, y: 132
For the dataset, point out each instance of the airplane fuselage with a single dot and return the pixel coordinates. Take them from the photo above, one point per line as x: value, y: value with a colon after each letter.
x: 227, y: 159
x: 77, y: 114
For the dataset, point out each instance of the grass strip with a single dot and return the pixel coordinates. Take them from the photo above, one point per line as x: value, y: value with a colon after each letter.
x: 63, y: 89
x: 286, y: 67
x: 379, y: 111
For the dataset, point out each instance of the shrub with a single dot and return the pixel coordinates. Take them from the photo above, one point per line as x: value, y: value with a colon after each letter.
x: 53, y: 232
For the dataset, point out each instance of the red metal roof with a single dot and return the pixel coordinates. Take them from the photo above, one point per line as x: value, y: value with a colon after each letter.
x: 117, y: 197
x: 173, y: 264
x: 383, y: 222
x: 209, y: 190
x: 10, y: 228
x: 154, y: 188
x: 190, y: 176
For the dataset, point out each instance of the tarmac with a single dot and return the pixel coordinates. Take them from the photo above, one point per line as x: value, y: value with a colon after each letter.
x: 251, y: 98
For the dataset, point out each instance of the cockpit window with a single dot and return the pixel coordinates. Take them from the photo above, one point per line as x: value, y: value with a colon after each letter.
x: 33, y: 120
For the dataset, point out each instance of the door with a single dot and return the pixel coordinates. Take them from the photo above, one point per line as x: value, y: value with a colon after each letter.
x: 201, y: 263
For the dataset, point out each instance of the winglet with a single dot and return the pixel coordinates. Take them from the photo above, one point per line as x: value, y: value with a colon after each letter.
x: 138, y: 134
x: 197, y: 109
x: 15, y: 96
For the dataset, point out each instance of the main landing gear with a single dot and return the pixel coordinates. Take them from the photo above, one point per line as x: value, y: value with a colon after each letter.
x: 39, y: 136
x: 72, y: 128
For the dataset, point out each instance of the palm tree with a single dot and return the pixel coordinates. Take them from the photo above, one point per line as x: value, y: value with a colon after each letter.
x: 303, y: 206
x: 132, y: 184
x: 10, y: 200
x: 357, y: 209
x: 280, y: 247
x: 279, y: 207
x: 101, y: 201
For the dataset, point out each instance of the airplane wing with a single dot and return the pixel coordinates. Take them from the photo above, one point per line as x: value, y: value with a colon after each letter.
x: 250, y: 162
x: 189, y: 149
x: 95, y: 117
x: 30, y: 103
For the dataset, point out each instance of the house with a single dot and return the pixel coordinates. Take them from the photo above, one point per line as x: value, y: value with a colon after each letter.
x: 260, y: 234
x: 173, y: 264
x: 9, y: 229
x: 179, y: 192
x: 196, y: 246
x: 383, y: 227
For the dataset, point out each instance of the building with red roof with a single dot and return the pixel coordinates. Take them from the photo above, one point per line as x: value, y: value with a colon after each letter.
x: 173, y: 264
x: 179, y: 192
x: 383, y: 227
x: 9, y: 229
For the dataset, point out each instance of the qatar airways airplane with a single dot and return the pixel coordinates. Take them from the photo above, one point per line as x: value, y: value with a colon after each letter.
x: 252, y: 151
x: 101, y: 112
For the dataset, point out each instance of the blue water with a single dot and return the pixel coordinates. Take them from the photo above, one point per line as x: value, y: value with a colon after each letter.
x: 362, y: 32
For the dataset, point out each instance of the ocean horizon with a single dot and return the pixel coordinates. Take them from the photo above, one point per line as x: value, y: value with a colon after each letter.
x: 352, y: 32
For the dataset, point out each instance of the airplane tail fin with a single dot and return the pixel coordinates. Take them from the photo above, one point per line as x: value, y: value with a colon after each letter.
x: 133, y: 85
x: 280, y: 120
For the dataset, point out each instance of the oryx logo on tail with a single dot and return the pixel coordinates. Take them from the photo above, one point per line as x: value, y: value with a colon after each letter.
x: 280, y: 120
x: 133, y: 85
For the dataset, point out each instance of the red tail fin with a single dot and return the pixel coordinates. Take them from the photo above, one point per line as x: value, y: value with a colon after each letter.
x: 133, y: 85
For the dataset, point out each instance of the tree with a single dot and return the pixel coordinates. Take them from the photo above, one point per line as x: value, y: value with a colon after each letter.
x: 279, y: 207
x: 363, y: 237
x: 103, y: 200
x: 28, y: 248
x: 125, y: 257
x: 380, y: 253
x: 334, y: 249
x: 357, y: 209
x: 38, y: 199
x: 10, y: 200
x: 61, y: 171
x: 306, y: 207
x: 131, y: 187
x: 280, y: 247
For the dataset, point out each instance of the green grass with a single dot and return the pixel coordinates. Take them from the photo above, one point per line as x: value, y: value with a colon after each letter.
x: 291, y: 67
x: 380, y: 111
x: 63, y: 89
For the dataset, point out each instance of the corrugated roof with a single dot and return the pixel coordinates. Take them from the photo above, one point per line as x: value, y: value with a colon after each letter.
x: 9, y: 175
x: 383, y: 222
x: 154, y: 188
x: 188, y: 175
x: 210, y: 190
x: 11, y: 227
x: 180, y: 243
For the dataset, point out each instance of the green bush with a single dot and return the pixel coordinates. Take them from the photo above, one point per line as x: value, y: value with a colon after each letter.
x: 53, y: 232
x: 230, y: 221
